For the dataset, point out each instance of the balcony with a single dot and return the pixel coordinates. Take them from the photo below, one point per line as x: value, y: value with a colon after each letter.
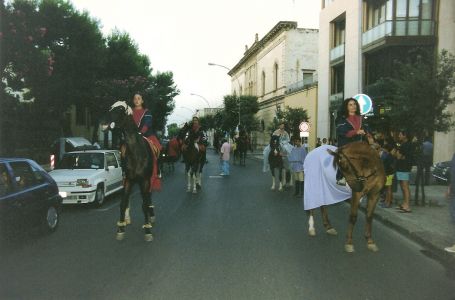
x: 300, y: 85
x: 400, y: 28
x: 337, y: 53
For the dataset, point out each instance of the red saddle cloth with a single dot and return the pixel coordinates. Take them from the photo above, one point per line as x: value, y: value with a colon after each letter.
x: 155, y: 146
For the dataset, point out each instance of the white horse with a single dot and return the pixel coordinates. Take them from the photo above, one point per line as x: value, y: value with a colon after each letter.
x: 285, y: 150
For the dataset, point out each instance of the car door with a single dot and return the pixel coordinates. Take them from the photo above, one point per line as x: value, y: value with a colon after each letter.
x: 114, y: 173
x: 31, y: 193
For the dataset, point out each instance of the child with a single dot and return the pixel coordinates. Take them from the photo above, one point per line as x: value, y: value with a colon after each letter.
x: 296, y: 159
x: 389, y: 167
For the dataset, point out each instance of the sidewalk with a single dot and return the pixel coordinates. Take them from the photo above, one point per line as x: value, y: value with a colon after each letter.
x: 429, y: 225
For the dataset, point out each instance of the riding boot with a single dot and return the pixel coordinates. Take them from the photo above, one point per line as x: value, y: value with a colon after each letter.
x: 297, y: 190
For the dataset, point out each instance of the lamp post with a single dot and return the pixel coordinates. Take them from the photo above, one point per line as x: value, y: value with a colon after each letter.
x: 206, y: 101
x: 238, y: 83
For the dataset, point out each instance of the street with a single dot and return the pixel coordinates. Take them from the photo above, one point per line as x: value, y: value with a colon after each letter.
x: 236, y: 239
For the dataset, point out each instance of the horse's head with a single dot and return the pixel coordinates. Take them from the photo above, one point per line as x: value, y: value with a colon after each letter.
x: 358, y: 162
x: 117, y: 115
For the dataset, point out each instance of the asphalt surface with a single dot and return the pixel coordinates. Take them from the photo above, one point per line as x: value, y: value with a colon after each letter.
x: 236, y: 239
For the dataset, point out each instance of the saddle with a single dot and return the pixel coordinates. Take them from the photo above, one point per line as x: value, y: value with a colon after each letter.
x: 153, y: 147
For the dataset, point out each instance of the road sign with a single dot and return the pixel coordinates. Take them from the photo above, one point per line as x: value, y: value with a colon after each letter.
x: 304, y: 127
x: 365, y: 103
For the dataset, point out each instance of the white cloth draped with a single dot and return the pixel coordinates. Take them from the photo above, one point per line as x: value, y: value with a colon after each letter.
x: 320, y: 180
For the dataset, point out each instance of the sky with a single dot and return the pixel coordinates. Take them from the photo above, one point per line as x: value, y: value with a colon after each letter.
x: 183, y: 36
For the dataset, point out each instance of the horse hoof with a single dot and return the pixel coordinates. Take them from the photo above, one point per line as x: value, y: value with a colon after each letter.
x: 372, y: 247
x: 194, y: 191
x: 280, y: 189
x: 127, y: 221
x: 120, y: 236
x: 349, y: 248
x: 148, y: 237
x: 312, y: 232
x: 332, y: 231
x: 272, y: 188
x: 188, y: 190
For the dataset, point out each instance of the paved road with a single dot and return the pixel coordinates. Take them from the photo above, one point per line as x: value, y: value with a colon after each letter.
x: 234, y: 240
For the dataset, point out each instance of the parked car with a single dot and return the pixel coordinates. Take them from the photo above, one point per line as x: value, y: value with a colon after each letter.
x: 441, y: 171
x: 88, y: 176
x: 68, y: 144
x: 28, y: 196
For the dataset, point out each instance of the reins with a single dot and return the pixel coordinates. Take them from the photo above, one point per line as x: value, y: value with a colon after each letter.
x: 356, y: 174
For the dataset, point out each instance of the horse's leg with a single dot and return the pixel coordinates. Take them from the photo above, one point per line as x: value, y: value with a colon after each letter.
x: 280, y: 178
x: 195, y: 170
x: 371, y: 205
x: 326, y: 222
x: 188, y: 178
x: 272, y: 170
x: 124, y: 203
x: 311, y: 230
x: 146, y: 209
x: 349, y: 247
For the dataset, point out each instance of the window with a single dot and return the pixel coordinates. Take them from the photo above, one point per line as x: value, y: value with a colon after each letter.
x: 414, y: 6
x: 23, y: 174
x: 339, y: 30
x: 275, y: 74
x: 401, y: 8
x: 337, y: 81
x: 111, y: 161
x: 5, y: 181
x: 427, y: 13
x: 263, y: 83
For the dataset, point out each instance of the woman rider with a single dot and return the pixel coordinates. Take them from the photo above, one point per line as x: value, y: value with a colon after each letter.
x: 143, y: 119
x: 350, y: 128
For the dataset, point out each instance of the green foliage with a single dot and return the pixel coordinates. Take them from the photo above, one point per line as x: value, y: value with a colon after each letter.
x: 172, y: 129
x: 292, y: 117
x: 249, y: 106
x: 420, y: 92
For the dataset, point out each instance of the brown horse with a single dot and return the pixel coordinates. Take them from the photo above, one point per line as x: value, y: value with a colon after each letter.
x: 364, y: 173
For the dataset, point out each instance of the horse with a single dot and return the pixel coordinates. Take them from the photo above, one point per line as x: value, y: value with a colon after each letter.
x: 275, y: 160
x: 194, y: 159
x: 139, y: 166
x: 364, y: 173
x: 242, y: 143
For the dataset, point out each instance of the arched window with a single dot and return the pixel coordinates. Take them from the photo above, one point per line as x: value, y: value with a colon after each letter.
x: 263, y: 83
x: 275, y: 74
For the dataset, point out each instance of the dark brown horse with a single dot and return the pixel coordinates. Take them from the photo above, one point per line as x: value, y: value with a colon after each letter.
x: 275, y: 160
x: 138, y: 166
x: 364, y: 173
x: 193, y: 157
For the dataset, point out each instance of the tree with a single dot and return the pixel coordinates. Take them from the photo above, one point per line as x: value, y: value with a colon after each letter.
x: 249, y: 106
x: 292, y: 116
x: 420, y: 91
x: 172, y: 129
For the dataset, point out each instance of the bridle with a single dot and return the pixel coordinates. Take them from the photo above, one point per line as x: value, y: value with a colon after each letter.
x: 359, y: 179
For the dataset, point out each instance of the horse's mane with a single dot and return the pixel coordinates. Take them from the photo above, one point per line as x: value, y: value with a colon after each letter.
x: 128, y: 109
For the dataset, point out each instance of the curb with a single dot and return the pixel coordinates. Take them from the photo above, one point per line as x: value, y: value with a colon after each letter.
x: 434, y: 252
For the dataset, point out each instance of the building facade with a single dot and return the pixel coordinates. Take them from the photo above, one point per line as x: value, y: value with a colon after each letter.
x: 360, y: 39
x: 280, y: 70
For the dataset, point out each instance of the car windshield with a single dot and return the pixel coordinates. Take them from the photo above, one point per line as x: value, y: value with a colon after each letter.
x: 82, y: 161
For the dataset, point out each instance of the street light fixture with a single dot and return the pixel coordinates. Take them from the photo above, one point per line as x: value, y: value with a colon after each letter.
x: 206, y: 101
x: 238, y: 83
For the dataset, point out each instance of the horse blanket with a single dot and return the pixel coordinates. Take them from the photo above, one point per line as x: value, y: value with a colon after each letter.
x: 320, y: 180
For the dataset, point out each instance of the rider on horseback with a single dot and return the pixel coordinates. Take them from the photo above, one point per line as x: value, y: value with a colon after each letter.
x: 350, y: 128
x: 200, y: 139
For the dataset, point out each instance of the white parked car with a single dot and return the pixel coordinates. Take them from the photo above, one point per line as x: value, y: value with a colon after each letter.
x: 88, y: 176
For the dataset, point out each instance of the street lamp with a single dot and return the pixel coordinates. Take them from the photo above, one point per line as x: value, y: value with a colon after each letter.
x: 238, y: 83
x: 206, y: 101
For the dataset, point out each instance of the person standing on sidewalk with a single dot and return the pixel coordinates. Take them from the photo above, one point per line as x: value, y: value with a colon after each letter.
x: 451, y: 197
x: 403, y: 157
x: 225, y: 152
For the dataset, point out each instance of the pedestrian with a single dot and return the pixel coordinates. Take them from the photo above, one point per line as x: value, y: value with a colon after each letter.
x: 324, y: 141
x: 225, y: 152
x: 318, y: 142
x: 427, y: 157
x: 389, y: 167
x: 403, y: 156
x: 350, y: 128
x: 296, y: 159
x: 450, y: 194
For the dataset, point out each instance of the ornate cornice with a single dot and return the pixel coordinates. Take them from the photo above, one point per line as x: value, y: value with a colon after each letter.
x: 277, y: 29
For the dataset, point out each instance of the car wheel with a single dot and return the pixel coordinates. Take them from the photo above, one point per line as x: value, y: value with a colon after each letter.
x: 51, y: 219
x: 99, y: 196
